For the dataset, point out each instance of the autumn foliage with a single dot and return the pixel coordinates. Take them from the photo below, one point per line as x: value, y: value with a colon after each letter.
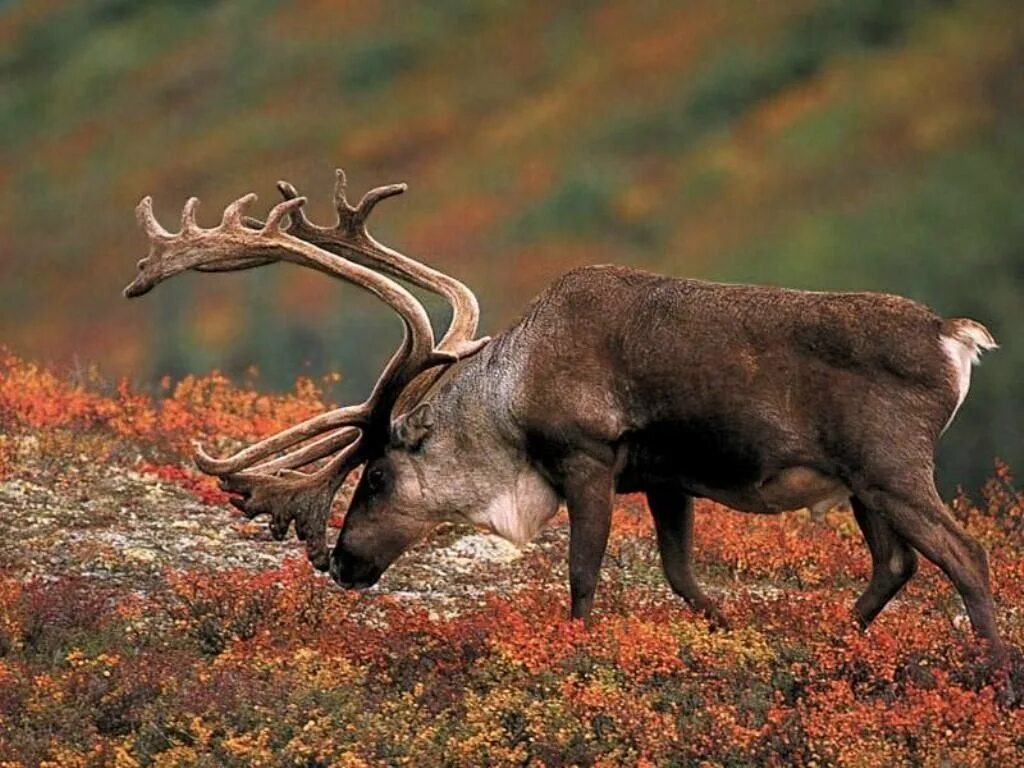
x: 245, y: 667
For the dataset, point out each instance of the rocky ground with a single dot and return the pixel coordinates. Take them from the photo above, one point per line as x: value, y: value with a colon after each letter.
x: 125, y: 525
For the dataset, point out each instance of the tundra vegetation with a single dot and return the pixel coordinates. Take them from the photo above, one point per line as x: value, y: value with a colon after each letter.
x: 109, y: 656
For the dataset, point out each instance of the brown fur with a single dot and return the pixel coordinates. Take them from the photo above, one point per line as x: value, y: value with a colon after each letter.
x: 759, y: 397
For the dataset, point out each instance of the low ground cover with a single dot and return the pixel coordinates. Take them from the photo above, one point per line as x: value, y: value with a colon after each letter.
x: 142, y: 622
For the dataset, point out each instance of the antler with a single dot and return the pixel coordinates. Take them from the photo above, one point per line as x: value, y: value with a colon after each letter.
x: 349, y: 237
x: 306, y: 498
x: 346, y: 251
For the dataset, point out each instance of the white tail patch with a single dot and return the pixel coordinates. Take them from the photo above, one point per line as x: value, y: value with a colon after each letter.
x: 963, y: 341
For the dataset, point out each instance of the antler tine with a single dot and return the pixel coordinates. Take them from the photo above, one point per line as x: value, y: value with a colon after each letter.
x: 354, y: 416
x: 305, y: 498
x: 308, y: 454
x: 232, y: 218
x: 298, y: 217
x: 370, y: 200
x: 144, y: 215
x: 351, y: 239
x: 311, y: 527
x: 288, y: 208
x: 341, y: 203
x: 188, y: 215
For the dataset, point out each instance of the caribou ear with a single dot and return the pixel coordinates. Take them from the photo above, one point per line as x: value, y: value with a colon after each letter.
x: 411, y: 429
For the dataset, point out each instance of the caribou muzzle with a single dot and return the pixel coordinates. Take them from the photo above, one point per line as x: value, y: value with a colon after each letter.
x: 350, y: 571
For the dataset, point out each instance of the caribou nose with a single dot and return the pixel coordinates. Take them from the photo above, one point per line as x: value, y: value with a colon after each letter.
x: 353, y: 573
x: 340, y: 574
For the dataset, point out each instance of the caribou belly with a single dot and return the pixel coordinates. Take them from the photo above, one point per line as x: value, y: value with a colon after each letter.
x: 788, y: 489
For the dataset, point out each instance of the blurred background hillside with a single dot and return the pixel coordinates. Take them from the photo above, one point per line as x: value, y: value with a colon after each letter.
x: 814, y: 143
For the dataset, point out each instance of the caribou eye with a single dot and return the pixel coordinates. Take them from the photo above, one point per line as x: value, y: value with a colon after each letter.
x: 375, y: 479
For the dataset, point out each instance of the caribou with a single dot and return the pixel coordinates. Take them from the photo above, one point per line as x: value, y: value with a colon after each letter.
x: 614, y: 380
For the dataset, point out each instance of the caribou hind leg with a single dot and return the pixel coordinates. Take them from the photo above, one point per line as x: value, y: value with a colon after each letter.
x: 893, y: 563
x: 672, y: 510
x: 912, y: 506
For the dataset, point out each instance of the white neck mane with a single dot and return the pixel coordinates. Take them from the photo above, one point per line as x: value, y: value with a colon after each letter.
x: 519, y: 512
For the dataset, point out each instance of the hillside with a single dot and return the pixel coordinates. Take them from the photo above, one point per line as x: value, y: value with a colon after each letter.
x: 144, y: 623
x: 813, y: 143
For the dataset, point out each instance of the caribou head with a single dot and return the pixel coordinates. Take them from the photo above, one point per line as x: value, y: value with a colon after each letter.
x: 295, y: 475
